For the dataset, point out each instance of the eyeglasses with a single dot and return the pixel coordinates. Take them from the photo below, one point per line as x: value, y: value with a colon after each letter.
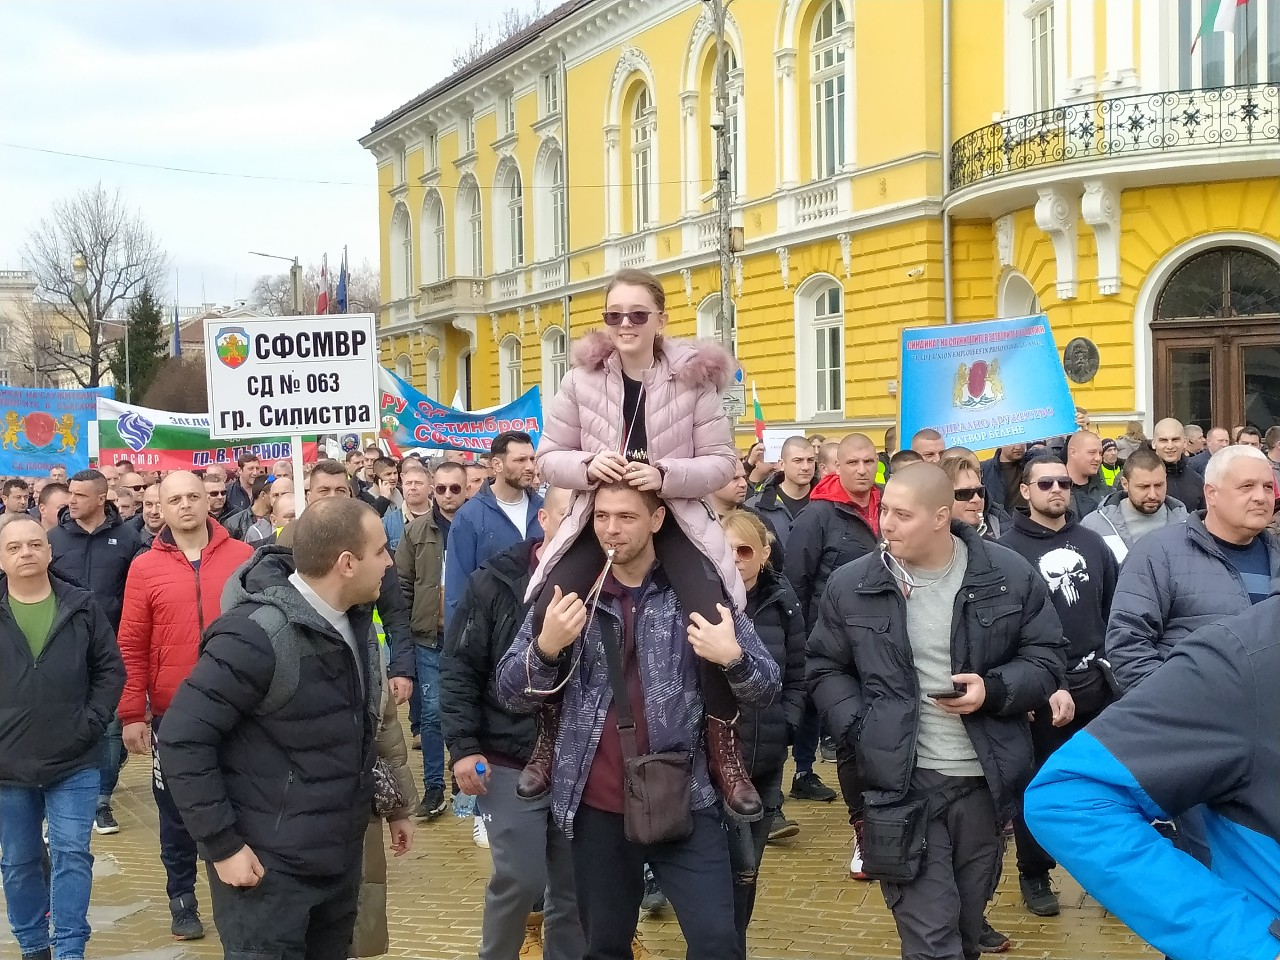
x: 638, y: 318
x: 450, y: 488
x: 1048, y: 483
x: 744, y: 552
x: 965, y: 494
x: 136, y: 487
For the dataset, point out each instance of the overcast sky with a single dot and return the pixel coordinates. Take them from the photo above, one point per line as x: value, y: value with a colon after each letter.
x: 273, y: 88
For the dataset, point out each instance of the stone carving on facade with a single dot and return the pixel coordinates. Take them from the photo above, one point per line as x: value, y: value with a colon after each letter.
x: 846, y: 251
x: 784, y: 266
x: 687, y: 276
x: 493, y: 323
x: 1056, y: 216
x: 537, y: 318
x: 1100, y: 208
x: 1004, y: 240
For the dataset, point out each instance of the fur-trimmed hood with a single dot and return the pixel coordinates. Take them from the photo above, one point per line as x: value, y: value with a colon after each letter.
x: 692, y: 362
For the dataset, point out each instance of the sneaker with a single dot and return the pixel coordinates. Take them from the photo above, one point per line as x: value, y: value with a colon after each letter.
x: 808, y: 786
x: 432, y: 805
x: 781, y: 828
x: 991, y: 940
x: 855, y: 854
x: 417, y: 741
x: 104, y: 821
x: 1038, y: 895
x: 45, y: 954
x: 480, y: 833
x: 186, y: 919
x: 827, y: 750
x: 654, y: 899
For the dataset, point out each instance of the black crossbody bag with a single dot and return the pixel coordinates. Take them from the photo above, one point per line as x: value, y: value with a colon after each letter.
x: 656, y: 787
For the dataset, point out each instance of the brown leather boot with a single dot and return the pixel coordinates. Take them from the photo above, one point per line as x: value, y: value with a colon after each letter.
x: 724, y: 760
x: 531, y: 948
x: 535, y: 778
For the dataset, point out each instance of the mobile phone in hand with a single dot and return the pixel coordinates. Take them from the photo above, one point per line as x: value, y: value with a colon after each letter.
x: 957, y: 691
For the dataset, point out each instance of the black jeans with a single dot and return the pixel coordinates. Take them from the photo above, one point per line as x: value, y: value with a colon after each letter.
x: 287, y: 917
x: 696, y: 582
x: 694, y: 874
x: 747, y: 843
x: 850, y: 785
x: 177, y: 849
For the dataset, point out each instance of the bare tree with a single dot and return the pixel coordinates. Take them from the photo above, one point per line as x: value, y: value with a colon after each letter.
x: 513, y: 20
x: 272, y: 293
x: 90, y: 256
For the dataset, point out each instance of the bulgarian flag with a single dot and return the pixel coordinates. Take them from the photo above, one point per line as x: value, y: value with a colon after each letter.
x: 758, y: 412
x: 1219, y: 17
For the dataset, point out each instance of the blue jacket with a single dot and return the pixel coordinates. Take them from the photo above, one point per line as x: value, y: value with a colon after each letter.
x: 1200, y: 730
x: 673, y: 707
x: 481, y: 530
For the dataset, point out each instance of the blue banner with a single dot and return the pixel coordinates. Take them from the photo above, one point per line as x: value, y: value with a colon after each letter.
x: 984, y: 384
x: 43, y: 429
x: 410, y: 419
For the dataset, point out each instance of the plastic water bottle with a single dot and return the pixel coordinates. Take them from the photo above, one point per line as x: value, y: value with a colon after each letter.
x: 463, y: 805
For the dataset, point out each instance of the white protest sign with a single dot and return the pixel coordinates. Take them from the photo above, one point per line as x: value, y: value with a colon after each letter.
x: 291, y: 375
x: 774, y: 438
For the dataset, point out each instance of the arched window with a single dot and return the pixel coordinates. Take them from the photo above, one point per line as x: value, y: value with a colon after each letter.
x: 433, y: 239
x: 469, y: 230
x: 548, y: 203
x: 559, y: 206
x: 827, y: 79
x: 434, y: 386
x: 464, y: 378
x: 509, y: 356
x: 642, y: 174
x: 404, y: 368
x: 1216, y: 340
x: 401, y: 254
x: 819, y: 309
x: 732, y: 121
x: 509, y: 199
x: 708, y: 320
x: 1017, y: 297
x: 555, y: 361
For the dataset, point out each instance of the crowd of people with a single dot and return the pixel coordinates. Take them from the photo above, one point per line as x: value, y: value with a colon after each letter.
x: 614, y: 643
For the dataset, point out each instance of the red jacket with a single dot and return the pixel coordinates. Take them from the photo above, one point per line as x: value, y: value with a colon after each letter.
x: 167, y: 605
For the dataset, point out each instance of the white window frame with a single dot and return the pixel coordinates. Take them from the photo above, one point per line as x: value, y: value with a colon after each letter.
x: 511, y: 193
x: 433, y: 151
x: 400, y: 166
x: 469, y: 134
x: 707, y: 320
x: 4, y: 339
x: 69, y: 345
x: 469, y: 230
x: 559, y: 199
x: 733, y: 122
x: 828, y: 87
x: 1042, y: 55
x: 507, y: 114
x: 434, y: 383
x: 6, y: 376
x: 433, y: 239
x: 404, y: 368
x: 550, y: 93
x: 510, y: 360
x: 814, y: 319
x: 555, y: 361
x: 643, y: 123
x: 466, y: 377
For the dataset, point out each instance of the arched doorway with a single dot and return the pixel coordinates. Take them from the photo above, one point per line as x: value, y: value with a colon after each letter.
x: 1216, y: 340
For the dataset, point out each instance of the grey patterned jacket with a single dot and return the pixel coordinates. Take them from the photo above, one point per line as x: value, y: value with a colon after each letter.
x: 673, y: 706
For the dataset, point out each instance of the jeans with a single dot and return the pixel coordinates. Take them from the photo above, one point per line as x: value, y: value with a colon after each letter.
x: 746, y: 850
x: 694, y: 873
x: 287, y: 917
x: 427, y: 662
x: 177, y: 849
x: 415, y: 710
x: 109, y: 770
x: 32, y: 901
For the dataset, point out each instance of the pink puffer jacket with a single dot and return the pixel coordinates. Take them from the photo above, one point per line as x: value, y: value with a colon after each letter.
x: 689, y: 439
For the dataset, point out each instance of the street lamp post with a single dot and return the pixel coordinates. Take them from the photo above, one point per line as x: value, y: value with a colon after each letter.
x: 295, y: 278
x: 723, y: 165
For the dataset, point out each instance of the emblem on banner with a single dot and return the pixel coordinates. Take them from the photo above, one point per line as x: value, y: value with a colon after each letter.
x: 135, y: 430
x: 977, y: 384
x: 232, y: 345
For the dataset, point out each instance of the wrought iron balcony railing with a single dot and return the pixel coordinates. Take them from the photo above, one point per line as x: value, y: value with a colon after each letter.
x: 1147, y: 123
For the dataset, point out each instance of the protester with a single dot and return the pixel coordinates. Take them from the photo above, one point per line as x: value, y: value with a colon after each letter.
x: 172, y: 593
x: 1249, y: 436
x: 93, y: 547
x: 240, y: 492
x: 1140, y: 507
x: 271, y: 775
x: 216, y: 491
x: 902, y: 458
x: 829, y: 458
x: 733, y: 495
x: 489, y: 746
x: 53, y: 498
x: 775, y: 613
x: 783, y: 497
x: 126, y: 503
x: 1132, y: 439
x: 415, y: 491
x: 152, y: 517
x: 477, y: 476
x: 1193, y: 433
x: 1084, y: 460
x: 1081, y: 575
x: 60, y: 679
x: 15, y: 496
x: 638, y: 613
x: 255, y: 521
x: 58, y: 474
x: 759, y: 471
x: 1185, y: 484
x: 1111, y: 466
x: 1214, y: 440
x: 929, y: 444
x: 971, y: 505
x: 926, y: 660
x: 884, y: 468
x: 1002, y: 476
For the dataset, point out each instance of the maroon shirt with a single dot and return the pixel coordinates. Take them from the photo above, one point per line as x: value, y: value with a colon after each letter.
x: 604, y: 786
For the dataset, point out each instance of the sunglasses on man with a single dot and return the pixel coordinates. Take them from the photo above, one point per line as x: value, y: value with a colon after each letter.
x: 450, y: 488
x: 1048, y: 483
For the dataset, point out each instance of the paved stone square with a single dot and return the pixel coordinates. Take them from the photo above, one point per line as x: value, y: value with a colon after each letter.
x: 807, y: 908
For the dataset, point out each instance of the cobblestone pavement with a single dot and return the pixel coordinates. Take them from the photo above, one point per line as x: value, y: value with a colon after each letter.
x: 807, y: 908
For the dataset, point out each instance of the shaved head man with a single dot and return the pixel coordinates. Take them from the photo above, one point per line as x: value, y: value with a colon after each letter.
x: 1186, y: 484
x: 929, y: 444
x: 1084, y: 460
x: 786, y: 494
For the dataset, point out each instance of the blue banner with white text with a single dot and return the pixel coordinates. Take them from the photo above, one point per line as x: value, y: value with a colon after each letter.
x: 984, y: 384
x: 411, y: 419
x: 43, y: 429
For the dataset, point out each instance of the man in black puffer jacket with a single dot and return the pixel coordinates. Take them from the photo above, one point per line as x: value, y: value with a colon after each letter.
x: 268, y: 746
x: 926, y: 673
x: 530, y: 855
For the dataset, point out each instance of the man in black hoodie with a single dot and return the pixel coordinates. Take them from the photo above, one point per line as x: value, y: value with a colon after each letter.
x: 1081, y: 574
x: 60, y: 680
x: 93, y: 548
x: 1185, y: 482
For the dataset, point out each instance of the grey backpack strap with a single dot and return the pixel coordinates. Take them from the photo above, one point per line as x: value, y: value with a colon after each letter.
x: 284, y: 643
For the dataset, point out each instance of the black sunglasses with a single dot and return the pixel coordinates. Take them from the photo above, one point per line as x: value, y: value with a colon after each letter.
x: 638, y: 318
x: 451, y: 488
x: 1048, y: 483
x: 136, y: 487
x: 970, y: 493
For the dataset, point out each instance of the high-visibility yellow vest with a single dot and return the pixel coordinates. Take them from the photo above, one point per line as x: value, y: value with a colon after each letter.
x: 377, y: 625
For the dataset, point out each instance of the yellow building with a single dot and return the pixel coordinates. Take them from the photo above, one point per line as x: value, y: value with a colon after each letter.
x: 1087, y: 163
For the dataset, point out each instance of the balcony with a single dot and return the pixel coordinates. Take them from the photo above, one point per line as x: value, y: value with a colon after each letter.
x: 507, y: 286
x: 549, y: 275
x: 447, y: 297
x: 1153, y: 127
x: 825, y: 201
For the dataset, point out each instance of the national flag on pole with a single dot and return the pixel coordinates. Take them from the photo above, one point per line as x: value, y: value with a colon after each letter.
x: 1219, y: 17
x: 341, y: 296
x: 322, y: 298
x: 176, y: 348
x: 758, y: 412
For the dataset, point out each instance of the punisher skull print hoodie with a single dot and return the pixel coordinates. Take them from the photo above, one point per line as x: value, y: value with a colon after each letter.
x: 1080, y: 572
